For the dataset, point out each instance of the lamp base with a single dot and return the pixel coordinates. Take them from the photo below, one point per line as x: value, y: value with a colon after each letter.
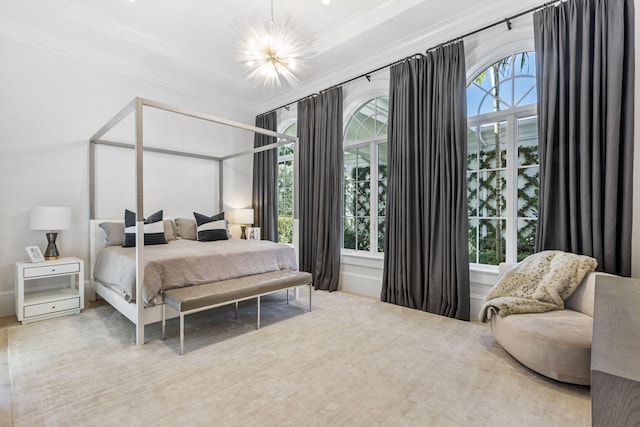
x: 51, y: 253
x: 243, y: 235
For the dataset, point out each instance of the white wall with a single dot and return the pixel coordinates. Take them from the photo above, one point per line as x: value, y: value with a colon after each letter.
x: 51, y: 104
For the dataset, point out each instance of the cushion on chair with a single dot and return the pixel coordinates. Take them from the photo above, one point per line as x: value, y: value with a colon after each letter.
x: 556, y: 344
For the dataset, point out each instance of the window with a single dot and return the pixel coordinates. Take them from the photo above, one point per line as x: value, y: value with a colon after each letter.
x: 285, y: 188
x: 365, y: 177
x: 502, y: 161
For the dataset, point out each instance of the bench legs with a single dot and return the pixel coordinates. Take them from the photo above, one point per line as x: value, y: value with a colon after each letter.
x: 181, y: 334
x: 164, y: 320
x: 258, y: 315
x: 164, y: 317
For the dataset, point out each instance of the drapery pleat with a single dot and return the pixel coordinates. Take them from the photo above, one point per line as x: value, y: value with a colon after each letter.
x: 265, y: 180
x: 426, y: 257
x: 585, y: 78
x: 320, y: 200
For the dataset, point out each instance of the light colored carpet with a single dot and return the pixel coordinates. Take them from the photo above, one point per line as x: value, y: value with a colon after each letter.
x: 352, y: 361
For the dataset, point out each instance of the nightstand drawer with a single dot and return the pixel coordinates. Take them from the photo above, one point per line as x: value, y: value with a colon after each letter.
x: 51, y: 307
x: 49, y: 270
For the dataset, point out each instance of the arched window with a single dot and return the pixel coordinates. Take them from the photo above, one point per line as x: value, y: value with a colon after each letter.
x: 502, y: 167
x: 285, y: 187
x: 365, y: 177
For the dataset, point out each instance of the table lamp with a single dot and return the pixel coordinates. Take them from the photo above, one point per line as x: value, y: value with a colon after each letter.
x: 52, y: 219
x: 243, y: 217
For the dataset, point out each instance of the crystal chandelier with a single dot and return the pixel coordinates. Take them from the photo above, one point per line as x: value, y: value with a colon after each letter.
x: 275, y: 50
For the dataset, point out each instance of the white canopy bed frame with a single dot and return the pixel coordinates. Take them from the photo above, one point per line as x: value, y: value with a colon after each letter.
x: 137, y: 312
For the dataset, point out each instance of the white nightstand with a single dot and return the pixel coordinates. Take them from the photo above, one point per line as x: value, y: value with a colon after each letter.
x: 45, y: 303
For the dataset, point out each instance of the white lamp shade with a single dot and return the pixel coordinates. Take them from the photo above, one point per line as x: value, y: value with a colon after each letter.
x: 243, y: 216
x: 50, y: 218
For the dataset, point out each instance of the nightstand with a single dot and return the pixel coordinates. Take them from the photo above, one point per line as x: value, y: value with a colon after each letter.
x: 39, y: 303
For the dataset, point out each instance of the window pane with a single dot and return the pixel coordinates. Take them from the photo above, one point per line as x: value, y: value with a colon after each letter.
x: 288, y: 173
x: 284, y: 150
x: 352, y: 131
x: 472, y: 193
x: 474, y: 96
x: 292, y: 130
x: 528, y: 184
x: 493, y: 145
x: 382, y: 160
x: 526, y: 237
x: 350, y: 164
x: 285, y: 229
x: 364, y: 165
x: 363, y: 205
x: 473, y: 240
x: 349, y: 233
x: 472, y: 148
x: 285, y: 205
x: 363, y: 232
x: 368, y: 128
x: 381, y: 230
x: 527, y: 141
x: 492, y: 193
x: 349, y: 199
x: 382, y: 197
x: 492, y: 242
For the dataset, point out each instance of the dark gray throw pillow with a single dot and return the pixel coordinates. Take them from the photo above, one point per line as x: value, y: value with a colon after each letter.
x: 153, y: 229
x: 211, y: 228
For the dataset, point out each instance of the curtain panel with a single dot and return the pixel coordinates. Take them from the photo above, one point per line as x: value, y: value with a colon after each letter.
x: 265, y: 180
x: 585, y: 77
x: 426, y: 257
x: 320, y: 155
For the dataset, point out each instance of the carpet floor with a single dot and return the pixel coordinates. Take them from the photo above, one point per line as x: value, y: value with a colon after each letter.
x: 352, y: 361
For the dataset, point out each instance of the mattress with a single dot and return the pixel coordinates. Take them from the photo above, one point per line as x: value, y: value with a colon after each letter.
x: 187, y: 262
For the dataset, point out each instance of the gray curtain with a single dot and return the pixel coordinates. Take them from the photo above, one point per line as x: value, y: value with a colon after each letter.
x: 265, y: 180
x: 585, y: 77
x: 320, y: 154
x: 426, y: 257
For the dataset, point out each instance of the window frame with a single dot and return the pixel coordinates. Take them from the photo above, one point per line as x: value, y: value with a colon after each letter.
x: 511, y: 117
x: 373, y: 144
x: 285, y: 126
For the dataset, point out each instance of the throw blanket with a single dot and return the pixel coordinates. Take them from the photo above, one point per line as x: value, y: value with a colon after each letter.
x: 541, y: 282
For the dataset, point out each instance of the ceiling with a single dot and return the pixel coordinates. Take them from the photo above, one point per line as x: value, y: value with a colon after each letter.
x: 192, y: 44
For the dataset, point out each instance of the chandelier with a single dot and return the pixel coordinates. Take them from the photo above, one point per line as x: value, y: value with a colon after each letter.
x: 275, y: 50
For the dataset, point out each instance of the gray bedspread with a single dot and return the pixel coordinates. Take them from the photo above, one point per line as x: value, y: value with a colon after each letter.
x: 186, y: 262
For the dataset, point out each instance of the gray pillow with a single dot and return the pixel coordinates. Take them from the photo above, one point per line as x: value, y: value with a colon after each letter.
x: 114, y: 233
x: 186, y: 228
x: 169, y: 229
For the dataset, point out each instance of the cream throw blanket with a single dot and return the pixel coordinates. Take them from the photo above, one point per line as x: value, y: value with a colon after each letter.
x: 541, y: 282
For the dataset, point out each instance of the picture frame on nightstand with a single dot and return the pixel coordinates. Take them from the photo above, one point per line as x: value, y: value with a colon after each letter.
x: 35, y: 255
x: 254, y: 233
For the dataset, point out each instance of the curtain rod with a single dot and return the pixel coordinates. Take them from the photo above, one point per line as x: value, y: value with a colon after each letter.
x: 506, y: 21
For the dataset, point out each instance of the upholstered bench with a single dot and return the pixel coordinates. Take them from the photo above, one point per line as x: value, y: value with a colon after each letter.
x: 556, y: 344
x: 192, y: 299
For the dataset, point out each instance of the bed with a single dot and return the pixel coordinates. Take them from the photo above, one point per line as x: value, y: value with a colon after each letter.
x: 184, y: 262
x: 181, y: 262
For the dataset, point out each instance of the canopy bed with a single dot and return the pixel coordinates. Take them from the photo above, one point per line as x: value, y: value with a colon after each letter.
x: 117, y: 270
